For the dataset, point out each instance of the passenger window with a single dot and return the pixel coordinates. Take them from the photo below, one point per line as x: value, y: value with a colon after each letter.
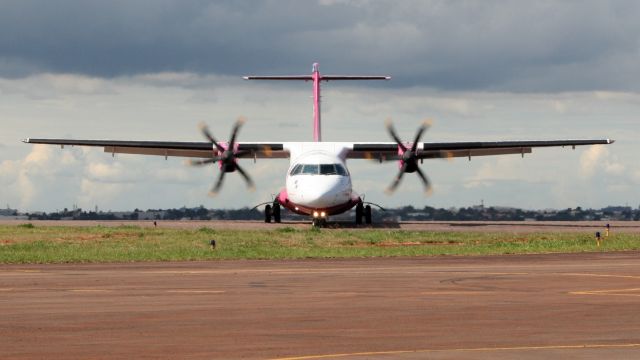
x: 310, y: 169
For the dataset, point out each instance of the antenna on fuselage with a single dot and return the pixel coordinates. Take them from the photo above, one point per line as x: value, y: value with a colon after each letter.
x: 317, y: 78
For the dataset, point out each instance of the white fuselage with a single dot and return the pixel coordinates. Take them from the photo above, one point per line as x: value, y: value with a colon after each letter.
x: 321, y: 181
x: 318, y: 180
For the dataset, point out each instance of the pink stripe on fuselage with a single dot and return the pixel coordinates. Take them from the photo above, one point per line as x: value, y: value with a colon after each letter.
x: 283, y: 199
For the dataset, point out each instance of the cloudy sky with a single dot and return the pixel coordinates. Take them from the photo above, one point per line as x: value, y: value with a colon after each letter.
x: 483, y: 70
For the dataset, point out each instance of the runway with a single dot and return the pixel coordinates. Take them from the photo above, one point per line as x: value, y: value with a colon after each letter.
x: 527, y: 307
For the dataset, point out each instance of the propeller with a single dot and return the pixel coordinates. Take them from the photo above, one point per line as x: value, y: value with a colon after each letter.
x: 227, y: 156
x: 408, y: 157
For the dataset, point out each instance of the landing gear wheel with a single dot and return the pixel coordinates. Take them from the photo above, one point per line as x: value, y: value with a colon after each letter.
x: 359, y: 213
x: 367, y: 214
x: 267, y: 214
x: 276, y: 212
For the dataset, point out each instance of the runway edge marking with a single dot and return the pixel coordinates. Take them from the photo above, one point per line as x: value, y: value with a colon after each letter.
x: 397, y: 352
x: 613, y: 292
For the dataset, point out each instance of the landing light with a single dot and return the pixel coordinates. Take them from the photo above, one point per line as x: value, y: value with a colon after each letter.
x: 315, y: 214
x: 323, y: 214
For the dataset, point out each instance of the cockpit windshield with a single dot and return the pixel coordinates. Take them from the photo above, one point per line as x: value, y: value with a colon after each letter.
x: 310, y: 169
x: 318, y: 169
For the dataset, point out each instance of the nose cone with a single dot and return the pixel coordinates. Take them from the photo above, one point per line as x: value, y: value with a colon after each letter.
x: 325, y: 192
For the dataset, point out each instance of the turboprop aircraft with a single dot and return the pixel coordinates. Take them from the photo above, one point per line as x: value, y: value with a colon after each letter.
x: 318, y: 183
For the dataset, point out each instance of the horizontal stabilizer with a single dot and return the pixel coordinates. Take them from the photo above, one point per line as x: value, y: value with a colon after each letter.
x: 289, y: 77
x: 353, y: 77
x: 321, y: 78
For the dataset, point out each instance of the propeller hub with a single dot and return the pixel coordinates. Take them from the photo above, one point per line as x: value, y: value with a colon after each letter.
x: 228, y: 156
x: 408, y: 156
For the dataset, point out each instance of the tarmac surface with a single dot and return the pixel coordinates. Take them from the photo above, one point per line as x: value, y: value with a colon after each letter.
x: 560, y: 306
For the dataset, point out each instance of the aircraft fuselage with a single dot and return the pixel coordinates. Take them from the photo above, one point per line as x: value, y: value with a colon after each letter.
x: 318, y: 183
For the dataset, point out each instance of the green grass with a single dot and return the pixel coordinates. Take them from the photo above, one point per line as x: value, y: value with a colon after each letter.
x: 57, y: 244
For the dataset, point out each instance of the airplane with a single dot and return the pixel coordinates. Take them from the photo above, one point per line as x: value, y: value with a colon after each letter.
x: 318, y: 182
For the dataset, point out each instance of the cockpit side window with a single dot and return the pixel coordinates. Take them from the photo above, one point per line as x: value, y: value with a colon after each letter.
x: 296, y: 170
x: 341, y: 170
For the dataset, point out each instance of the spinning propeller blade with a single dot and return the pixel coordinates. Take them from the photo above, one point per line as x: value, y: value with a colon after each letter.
x: 214, y: 190
x: 205, y: 131
x: 203, y: 162
x: 393, y: 134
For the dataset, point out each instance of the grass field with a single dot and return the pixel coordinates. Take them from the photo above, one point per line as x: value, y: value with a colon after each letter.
x: 27, y: 243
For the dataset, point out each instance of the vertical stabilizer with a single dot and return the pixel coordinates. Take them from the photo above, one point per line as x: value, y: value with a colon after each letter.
x: 317, y: 134
x: 317, y: 78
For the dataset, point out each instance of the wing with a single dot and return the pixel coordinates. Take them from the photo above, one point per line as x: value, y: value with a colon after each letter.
x: 171, y: 148
x: 387, y: 150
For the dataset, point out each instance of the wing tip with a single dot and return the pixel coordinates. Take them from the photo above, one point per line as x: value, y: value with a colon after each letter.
x: 610, y: 141
x: 26, y: 141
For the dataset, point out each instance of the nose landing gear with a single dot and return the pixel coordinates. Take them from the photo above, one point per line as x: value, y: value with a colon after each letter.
x: 319, y: 222
x: 319, y: 219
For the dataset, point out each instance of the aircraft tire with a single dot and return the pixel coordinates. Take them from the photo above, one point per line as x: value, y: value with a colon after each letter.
x: 359, y: 211
x: 267, y: 214
x: 367, y: 214
x: 319, y: 222
x: 276, y: 213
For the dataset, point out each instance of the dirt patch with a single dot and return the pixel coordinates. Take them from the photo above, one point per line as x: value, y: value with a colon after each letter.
x: 423, y: 243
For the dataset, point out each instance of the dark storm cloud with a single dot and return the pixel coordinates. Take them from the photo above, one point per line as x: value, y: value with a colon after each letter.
x: 501, y: 45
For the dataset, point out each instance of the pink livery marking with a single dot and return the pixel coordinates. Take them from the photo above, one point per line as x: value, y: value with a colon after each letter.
x: 316, y: 102
x: 283, y: 199
x: 401, y: 152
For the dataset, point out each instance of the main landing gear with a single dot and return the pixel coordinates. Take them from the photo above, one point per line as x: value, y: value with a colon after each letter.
x: 272, y: 212
x: 363, y: 211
